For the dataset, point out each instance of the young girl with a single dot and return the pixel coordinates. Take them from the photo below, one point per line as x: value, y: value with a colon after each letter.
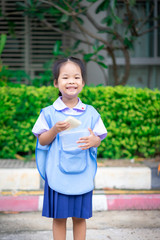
x: 66, y: 158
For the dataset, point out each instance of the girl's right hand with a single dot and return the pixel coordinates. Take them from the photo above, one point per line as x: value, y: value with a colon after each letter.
x: 61, y: 126
x: 48, y: 136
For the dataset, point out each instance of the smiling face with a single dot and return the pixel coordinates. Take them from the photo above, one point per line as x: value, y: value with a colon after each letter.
x: 70, y: 82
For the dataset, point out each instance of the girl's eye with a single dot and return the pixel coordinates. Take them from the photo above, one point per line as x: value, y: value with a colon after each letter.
x: 77, y: 77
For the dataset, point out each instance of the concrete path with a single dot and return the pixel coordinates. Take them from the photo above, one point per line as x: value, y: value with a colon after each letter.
x: 119, y: 185
x: 113, y: 225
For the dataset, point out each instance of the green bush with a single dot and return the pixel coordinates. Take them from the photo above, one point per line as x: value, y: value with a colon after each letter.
x: 131, y: 116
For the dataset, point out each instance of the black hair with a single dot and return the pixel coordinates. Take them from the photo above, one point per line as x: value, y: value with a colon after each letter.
x: 60, y: 62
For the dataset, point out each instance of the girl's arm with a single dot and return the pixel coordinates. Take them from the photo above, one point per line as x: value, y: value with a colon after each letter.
x: 91, y: 141
x: 47, y: 137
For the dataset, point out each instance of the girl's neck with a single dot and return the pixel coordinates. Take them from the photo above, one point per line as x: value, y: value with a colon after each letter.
x: 70, y: 102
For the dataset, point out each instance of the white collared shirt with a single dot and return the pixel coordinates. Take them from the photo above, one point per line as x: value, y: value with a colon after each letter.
x: 42, y: 126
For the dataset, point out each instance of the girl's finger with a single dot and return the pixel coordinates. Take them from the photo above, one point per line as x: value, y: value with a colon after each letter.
x: 84, y: 146
x: 82, y: 141
x: 83, y: 138
x: 61, y: 123
x: 91, y: 132
x: 65, y: 125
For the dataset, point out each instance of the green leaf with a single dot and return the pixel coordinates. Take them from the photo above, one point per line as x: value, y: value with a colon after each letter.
x: 100, y: 47
x: 38, y: 4
x: 101, y: 57
x: 97, y: 49
x: 29, y: 2
x: 3, y: 38
x: 64, y: 18
x: 118, y: 20
x: 113, y: 3
x: 21, y: 5
x: 56, y: 49
x: 76, y: 44
x: 80, y: 20
x: 95, y: 46
x: 103, y: 6
x: 91, y: 0
x: 107, y: 20
x: 128, y: 43
x: 52, y: 11
x: 87, y: 57
x: 132, y: 2
x: 96, y: 42
x: 102, y: 64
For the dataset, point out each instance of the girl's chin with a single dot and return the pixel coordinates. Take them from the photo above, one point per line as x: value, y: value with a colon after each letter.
x: 70, y: 96
x: 72, y: 92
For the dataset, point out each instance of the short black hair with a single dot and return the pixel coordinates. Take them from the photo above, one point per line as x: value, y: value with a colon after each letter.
x: 60, y: 62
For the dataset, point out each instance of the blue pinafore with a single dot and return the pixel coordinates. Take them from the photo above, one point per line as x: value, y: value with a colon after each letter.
x: 66, y: 168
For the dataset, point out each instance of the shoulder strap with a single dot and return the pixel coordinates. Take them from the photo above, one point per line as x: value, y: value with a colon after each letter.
x: 49, y: 114
x: 95, y: 115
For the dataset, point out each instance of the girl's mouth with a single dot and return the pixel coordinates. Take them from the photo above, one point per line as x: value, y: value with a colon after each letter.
x: 71, y: 88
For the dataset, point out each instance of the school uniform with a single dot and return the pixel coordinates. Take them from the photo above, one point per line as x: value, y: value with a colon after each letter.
x: 68, y: 184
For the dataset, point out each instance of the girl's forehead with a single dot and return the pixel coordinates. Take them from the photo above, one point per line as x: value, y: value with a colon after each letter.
x: 70, y: 67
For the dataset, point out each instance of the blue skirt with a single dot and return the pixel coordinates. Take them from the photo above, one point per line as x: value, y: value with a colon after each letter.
x: 57, y: 205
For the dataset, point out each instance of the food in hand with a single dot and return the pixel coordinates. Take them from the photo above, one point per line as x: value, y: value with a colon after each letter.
x: 73, y: 122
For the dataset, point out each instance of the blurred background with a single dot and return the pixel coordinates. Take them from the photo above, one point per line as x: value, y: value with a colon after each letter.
x: 118, y: 40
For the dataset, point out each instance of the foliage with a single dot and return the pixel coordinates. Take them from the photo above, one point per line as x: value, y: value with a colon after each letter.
x: 5, y: 73
x: 114, y: 30
x: 19, y: 108
x: 131, y: 116
x: 3, y: 38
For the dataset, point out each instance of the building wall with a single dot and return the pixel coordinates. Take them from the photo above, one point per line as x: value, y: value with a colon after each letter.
x: 145, y: 58
x: 33, y: 47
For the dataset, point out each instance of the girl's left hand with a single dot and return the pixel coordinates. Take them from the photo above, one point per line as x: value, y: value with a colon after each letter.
x: 90, y: 141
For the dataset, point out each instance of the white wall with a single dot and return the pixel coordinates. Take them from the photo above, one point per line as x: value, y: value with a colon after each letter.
x: 140, y: 76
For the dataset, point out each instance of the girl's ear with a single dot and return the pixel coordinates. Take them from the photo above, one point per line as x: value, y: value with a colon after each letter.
x: 83, y: 83
x: 55, y: 83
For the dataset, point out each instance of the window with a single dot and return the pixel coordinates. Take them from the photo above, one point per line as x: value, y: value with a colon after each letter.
x: 29, y: 44
x: 145, y: 58
x: 147, y: 45
x: 13, y: 54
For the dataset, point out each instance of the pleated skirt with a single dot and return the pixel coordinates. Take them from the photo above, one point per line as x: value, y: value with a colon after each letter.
x: 57, y: 205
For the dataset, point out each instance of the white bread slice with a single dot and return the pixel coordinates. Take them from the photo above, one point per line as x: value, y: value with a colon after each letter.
x: 73, y: 122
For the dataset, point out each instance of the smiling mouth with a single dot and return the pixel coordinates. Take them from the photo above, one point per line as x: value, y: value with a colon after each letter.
x: 70, y: 88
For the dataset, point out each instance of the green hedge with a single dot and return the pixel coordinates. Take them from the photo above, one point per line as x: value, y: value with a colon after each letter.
x: 131, y: 116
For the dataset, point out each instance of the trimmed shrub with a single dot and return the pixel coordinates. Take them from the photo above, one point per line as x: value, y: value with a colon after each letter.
x: 131, y: 116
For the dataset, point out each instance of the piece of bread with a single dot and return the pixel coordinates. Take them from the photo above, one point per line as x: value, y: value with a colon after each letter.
x: 73, y: 122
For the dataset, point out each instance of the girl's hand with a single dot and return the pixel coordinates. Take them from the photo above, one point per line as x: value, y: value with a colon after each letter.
x: 48, y: 136
x: 61, y: 126
x: 90, y: 141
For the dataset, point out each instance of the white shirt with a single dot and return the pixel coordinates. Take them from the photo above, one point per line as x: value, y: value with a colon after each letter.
x: 42, y: 126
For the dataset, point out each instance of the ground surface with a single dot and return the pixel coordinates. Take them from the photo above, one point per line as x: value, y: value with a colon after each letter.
x: 111, y: 225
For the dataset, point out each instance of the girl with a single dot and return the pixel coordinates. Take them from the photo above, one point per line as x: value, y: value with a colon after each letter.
x: 66, y: 159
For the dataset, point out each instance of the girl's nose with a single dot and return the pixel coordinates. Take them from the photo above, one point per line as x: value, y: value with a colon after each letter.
x: 71, y: 80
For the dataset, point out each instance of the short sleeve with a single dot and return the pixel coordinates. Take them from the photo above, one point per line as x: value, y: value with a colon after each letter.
x: 40, y: 126
x: 99, y: 129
